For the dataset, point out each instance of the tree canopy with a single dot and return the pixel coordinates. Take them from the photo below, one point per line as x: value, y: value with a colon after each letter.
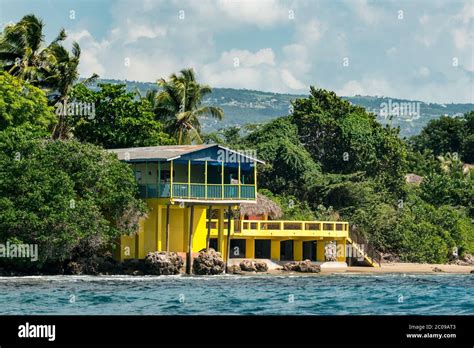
x: 120, y: 120
x: 67, y: 197
x: 22, y: 103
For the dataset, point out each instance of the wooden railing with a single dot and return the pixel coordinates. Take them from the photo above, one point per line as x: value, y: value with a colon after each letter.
x: 285, y: 228
x: 198, y: 191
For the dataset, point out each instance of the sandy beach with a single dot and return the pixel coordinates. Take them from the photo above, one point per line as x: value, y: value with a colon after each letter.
x: 412, y: 268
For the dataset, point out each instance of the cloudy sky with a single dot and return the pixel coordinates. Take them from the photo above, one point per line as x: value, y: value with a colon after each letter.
x: 411, y: 49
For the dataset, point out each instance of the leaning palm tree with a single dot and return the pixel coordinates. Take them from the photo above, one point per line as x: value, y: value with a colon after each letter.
x: 179, y: 105
x: 22, y: 50
x: 23, y: 54
x: 64, y: 75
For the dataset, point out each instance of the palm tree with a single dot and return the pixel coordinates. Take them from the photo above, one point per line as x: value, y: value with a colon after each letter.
x: 22, y: 50
x: 63, y: 78
x: 179, y: 105
x: 23, y: 54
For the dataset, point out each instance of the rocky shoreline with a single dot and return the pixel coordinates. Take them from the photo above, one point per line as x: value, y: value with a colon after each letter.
x: 210, y: 262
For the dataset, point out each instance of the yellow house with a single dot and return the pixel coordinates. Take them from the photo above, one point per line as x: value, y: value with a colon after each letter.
x: 194, y: 192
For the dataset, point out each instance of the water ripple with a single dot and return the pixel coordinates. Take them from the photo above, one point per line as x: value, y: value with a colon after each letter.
x: 343, y: 294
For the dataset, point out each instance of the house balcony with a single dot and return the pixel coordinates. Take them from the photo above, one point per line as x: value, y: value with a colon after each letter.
x: 198, y: 191
x: 282, y: 228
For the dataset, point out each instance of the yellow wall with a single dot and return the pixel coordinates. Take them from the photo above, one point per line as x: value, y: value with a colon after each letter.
x: 298, y: 250
x: 250, y: 248
x: 199, y: 226
x: 152, y: 234
x: 177, y: 229
x: 320, y: 250
x: 150, y: 228
x: 275, y: 249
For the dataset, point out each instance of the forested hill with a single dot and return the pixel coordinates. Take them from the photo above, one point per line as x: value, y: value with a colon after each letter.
x: 243, y: 106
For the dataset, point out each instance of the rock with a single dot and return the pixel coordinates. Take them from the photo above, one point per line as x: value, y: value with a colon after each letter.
x: 260, y: 266
x: 302, y: 266
x: 208, y: 262
x: 163, y: 263
x: 234, y: 269
x: 389, y: 257
x: 468, y: 259
x: 436, y: 269
x: 74, y: 268
x: 248, y: 266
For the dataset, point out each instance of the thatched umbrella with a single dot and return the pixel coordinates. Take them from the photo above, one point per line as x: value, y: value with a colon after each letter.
x: 264, y: 206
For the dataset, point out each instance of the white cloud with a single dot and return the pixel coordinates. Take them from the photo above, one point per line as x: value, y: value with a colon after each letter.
x: 138, y: 31
x: 366, y: 86
x: 261, y: 12
x: 246, y: 58
x: 291, y: 81
x: 91, y: 53
x: 310, y: 31
x: 423, y: 72
x: 463, y: 38
x: 467, y: 13
x: 424, y: 19
x: 367, y: 13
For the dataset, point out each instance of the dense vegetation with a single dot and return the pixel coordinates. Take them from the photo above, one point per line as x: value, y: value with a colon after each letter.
x: 70, y: 199
x: 330, y: 159
x: 327, y: 159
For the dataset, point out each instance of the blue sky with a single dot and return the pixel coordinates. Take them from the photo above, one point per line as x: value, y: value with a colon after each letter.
x: 416, y: 49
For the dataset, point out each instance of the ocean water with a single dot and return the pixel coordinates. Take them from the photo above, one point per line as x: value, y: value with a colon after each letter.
x: 329, y: 294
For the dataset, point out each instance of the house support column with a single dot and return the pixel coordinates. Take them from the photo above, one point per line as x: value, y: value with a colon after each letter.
x: 249, y: 248
x: 275, y: 249
x: 298, y: 250
x: 208, y: 237
x: 220, y: 232
x: 227, y: 253
x: 167, y: 228
x: 189, y: 254
x: 341, y: 250
x: 320, y: 250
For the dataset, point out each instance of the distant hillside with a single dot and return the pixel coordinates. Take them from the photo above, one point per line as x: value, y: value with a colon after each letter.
x: 243, y: 106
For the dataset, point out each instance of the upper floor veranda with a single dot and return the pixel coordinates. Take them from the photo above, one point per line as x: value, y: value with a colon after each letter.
x: 193, y: 173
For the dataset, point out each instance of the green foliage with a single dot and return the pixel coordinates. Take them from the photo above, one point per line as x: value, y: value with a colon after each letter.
x: 229, y: 136
x: 415, y: 230
x: 22, y: 51
x: 178, y: 104
x: 21, y: 103
x: 67, y: 197
x: 290, y: 169
x: 448, y: 135
x: 421, y: 163
x: 453, y: 185
x: 120, y: 119
x: 305, y: 166
x: 345, y: 138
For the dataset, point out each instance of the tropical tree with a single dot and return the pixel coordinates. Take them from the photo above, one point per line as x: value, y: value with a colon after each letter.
x: 179, y: 104
x: 68, y: 197
x: 119, y: 119
x: 23, y: 54
x: 21, y: 104
x: 445, y: 134
x: 22, y: 50
x: 64, y: 75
